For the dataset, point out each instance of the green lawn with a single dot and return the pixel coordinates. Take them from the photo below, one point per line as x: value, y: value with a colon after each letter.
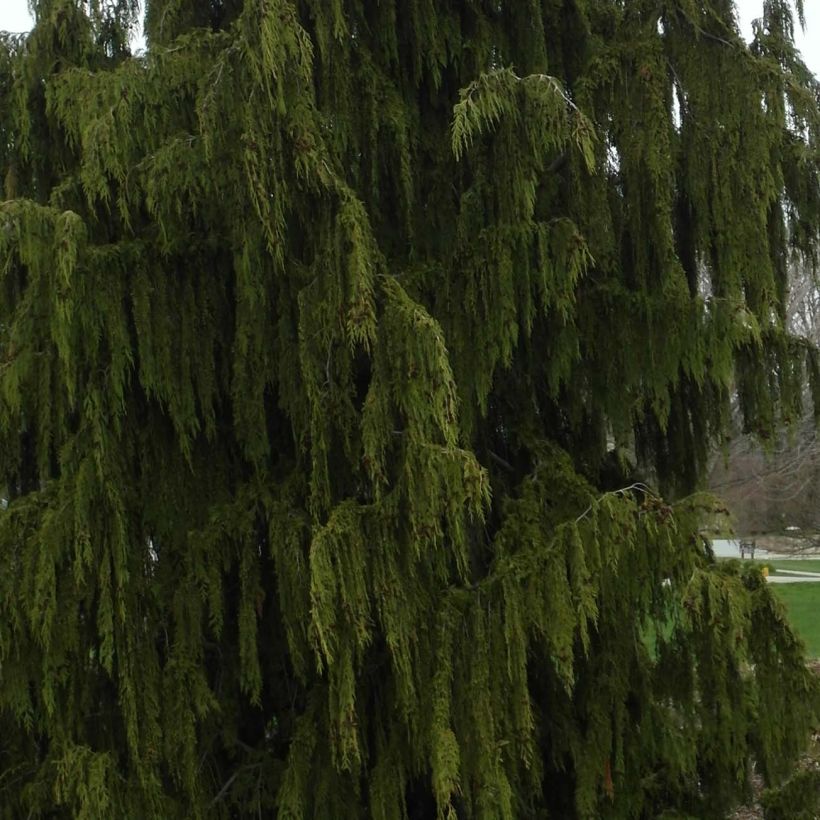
x: 803, y: 604
x: 799, y: 564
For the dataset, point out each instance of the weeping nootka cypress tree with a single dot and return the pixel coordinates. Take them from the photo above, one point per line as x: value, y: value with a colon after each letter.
x: 324, y: 325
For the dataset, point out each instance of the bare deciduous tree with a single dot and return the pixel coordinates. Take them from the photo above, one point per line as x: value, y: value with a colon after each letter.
x: 776, y: 487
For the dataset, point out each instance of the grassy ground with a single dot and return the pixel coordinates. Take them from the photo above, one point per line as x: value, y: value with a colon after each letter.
x: 803, y: 605
x: 799, y: 564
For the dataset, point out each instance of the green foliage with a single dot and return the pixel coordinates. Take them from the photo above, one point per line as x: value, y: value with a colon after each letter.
x: 324, y: 330
x: 798, y: 799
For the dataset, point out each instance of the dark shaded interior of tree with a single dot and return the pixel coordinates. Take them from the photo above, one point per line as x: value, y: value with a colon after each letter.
x: 360, y: 363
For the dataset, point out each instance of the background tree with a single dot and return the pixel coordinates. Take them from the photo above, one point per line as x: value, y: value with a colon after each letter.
x: 323, y: 328
x: 773, y: 486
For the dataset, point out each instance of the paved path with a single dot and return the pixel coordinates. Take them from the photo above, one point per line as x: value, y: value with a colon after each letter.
x: 794, y: 577
x: 730, y: 548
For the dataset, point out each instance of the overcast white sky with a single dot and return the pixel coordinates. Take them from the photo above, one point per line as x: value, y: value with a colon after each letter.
x: 14, y: 16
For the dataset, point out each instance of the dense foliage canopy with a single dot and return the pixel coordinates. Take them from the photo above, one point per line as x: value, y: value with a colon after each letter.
x: 359, y: 362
